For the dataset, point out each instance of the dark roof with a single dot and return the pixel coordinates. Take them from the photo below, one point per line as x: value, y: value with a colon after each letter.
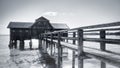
x: 59, y: 26
x: 29, y: 24
x: 42, y: 19
x: 20, y: 25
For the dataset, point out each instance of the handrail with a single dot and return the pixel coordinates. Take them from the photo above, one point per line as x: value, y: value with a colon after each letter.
x: 91, y: 27
x: 100, y: 25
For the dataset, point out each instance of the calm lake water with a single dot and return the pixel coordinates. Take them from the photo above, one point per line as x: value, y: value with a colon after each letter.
x: 4, y: 50
x: 67, y: 63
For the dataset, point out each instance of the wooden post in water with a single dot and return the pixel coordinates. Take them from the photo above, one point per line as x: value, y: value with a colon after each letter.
x: 51, y: 44
x: 103, y: 64
x: 67, y: 36
x: 15, y: 44
x: 40, y: 41
x: 21, y: 44
x: 80, y: 48
x: 46, y: 44
x: 59, y: 65
x: 10, y: 44
x: 102, y: 44
x: 30, y: 44
x: 73, y: 53
x: 54, y: 53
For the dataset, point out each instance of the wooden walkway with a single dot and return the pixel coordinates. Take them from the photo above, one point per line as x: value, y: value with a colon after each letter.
x: 95, y: 53
x: 77, y: 35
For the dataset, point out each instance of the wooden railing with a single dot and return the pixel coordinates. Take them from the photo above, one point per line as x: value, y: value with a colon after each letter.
x: 78, y: 34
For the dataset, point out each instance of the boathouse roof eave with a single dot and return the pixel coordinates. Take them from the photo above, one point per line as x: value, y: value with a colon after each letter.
x: 59, y: 26
x: 20, y: 25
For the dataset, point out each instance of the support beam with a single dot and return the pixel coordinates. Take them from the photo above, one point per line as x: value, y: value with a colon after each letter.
x: 30, y: 44
x: 54, y: 53
x: 103, y: 64
x: 11, y: 44
x: 102, y: 44
x: 73, y: 53
x: 46, y: 45
x: 21, y: 45
x: 59, y: 65
x: 80, y: 48
x: 15, y: 44
x: 40, y: 41
x: 51, y: 45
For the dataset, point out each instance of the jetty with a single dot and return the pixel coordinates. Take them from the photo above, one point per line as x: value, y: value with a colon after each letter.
x: 58, y: 39
x: 21, y: 31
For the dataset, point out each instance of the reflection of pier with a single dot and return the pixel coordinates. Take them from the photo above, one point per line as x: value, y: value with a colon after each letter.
x: 55, y: 41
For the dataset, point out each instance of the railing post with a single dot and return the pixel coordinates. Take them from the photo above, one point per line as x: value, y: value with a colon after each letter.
x: 80, y: 48
x: 102, y: 44
x: 67, y: 36
x: 73, y: 53
x: 46, y: 43
x: 103, y: 64
x: 40, y: 41
x: 51, y: 44
x: 59, y: 52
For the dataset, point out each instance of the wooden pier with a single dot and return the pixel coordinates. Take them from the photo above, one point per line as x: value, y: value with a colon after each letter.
x: 78, y: 34
x: 53, y: 38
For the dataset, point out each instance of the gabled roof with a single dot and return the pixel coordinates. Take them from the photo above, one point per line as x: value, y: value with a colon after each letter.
x: 29, y: 24
x: 59, y: 26
x: 42, y: 19
x: 20, y: 25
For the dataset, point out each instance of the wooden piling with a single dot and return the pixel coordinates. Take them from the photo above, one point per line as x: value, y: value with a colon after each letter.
x: 102, y: 44
x: 54, y: 53
x: 15, y: 44
x: 73, y: 53
x: 103, y: 64
x: 59, y: 65
x: 80, y: 48
x: 46, y: 43
x: 40, y: 41
x: 21, y: 45
x: 11, y: 44
x: 51, y: 47
x: 30, y: 44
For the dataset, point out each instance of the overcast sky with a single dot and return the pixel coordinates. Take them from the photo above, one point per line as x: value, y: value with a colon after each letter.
x: 74, y: 13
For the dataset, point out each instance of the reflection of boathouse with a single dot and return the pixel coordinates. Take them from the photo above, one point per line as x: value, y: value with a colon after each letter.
x: 26, y: 31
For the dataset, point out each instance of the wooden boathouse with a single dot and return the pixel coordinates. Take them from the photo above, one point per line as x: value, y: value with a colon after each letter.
x: 27, y: 30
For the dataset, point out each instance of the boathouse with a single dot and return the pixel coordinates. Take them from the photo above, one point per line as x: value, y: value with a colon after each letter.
x: 27, y: 30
